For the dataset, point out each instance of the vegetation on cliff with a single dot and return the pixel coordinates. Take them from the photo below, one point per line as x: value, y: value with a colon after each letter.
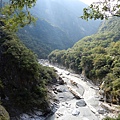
x: 23, y: 80
x: 97, y: 57
x: 4, y: 114
x: 108, y: 118
x: 43, y: 38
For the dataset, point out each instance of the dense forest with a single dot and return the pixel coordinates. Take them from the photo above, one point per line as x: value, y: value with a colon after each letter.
x: 97, y: 57
x: 65, y: 14
x: 58, y: 26
x: 23, y: 81
x: 42, y: 38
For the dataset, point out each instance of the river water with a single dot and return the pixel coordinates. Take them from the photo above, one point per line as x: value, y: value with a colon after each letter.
x: 68, y: 110
x: 68, y: 107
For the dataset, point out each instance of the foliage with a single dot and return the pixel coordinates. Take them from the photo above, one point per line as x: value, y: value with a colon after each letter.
x: 24, y: 79
x: 108, y: 118
x: 17, y: 13
x: 4, y: 114
x: 56, y: 26
x: 102, y: 10
x: 97, y: 57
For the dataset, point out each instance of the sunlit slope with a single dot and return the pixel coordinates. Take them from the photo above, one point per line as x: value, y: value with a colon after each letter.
x: 97, y: 57
x: 112, y: 25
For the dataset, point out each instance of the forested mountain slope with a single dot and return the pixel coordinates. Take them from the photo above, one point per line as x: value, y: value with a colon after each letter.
x: 97, y: 57
x: 42, y: 38
x: 23, y: 81
x: 58, y: 26
x: 112, y: 25
x: 65, y: 14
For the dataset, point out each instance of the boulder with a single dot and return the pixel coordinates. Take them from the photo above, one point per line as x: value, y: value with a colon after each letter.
x: 60, y: 78
x: 61, y: 82
x: 75, y: 93
x: 24, y: 116
x: 59, y: 90
x: 75, y: 112
x: 73, y: 83
x: 101, y: 111
x: 81, y: 103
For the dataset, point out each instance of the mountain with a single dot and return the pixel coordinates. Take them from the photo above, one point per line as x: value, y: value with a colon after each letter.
x: 58, y: 26
x: 43, y: 38
x: 97, y: 57
x: 112, y: 25
x: 66, y: 15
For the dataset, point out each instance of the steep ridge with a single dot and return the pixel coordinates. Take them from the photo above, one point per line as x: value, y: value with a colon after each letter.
x: 58, y: 26
x: 98, y: 58
x: 65, y: 14
x: 42, y: 38
x: 112, y: 25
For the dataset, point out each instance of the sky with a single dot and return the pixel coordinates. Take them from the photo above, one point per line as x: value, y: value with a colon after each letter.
x: 88, y: 1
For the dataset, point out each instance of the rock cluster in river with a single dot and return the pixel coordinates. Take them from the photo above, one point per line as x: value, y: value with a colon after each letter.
x: 81, y: 103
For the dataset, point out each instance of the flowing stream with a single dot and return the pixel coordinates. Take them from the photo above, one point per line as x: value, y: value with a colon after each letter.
x: 86, y: 108
x: 76, y: 99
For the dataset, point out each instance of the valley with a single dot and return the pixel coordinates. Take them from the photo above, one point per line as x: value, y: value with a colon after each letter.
x: 54, y: 65
x: 58, y: 26
x: 87, y: 107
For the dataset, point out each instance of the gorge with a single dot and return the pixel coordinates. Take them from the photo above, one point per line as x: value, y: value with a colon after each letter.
x: 88, y: 85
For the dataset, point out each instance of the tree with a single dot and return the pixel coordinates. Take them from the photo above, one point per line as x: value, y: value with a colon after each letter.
x: 17, y: 13
x: 22, y: 79
x: 102, y: 10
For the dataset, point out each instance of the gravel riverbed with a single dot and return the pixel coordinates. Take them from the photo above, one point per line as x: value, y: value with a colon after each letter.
x: 70, y: 108
x: 73, y: 98
x: 87, y: 107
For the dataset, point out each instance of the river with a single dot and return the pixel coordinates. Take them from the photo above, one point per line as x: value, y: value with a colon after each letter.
x: 68, y: 107
x: 76, y: 99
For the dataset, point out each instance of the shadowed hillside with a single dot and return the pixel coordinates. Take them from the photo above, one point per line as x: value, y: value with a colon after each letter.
x: 58, y: 26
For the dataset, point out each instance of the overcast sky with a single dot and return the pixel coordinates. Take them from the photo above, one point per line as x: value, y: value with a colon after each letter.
x: 89, y: 1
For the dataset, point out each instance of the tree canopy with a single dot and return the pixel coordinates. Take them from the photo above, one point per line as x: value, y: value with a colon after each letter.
x: 22, y: 79
x: 16, y: 13
x: 102, y: 10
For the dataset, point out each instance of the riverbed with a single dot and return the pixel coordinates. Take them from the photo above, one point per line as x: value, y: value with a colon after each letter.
x: 88, y: 107
x: 73, y: 97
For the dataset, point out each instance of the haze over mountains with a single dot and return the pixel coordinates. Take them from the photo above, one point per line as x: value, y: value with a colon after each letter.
x: 58, y: 26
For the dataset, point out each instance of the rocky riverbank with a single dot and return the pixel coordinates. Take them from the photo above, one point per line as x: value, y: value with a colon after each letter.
x: 78, y: 98
x: 73, y: 97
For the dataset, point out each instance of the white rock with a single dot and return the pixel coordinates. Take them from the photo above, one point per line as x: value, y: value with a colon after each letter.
x: 75, y: 112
